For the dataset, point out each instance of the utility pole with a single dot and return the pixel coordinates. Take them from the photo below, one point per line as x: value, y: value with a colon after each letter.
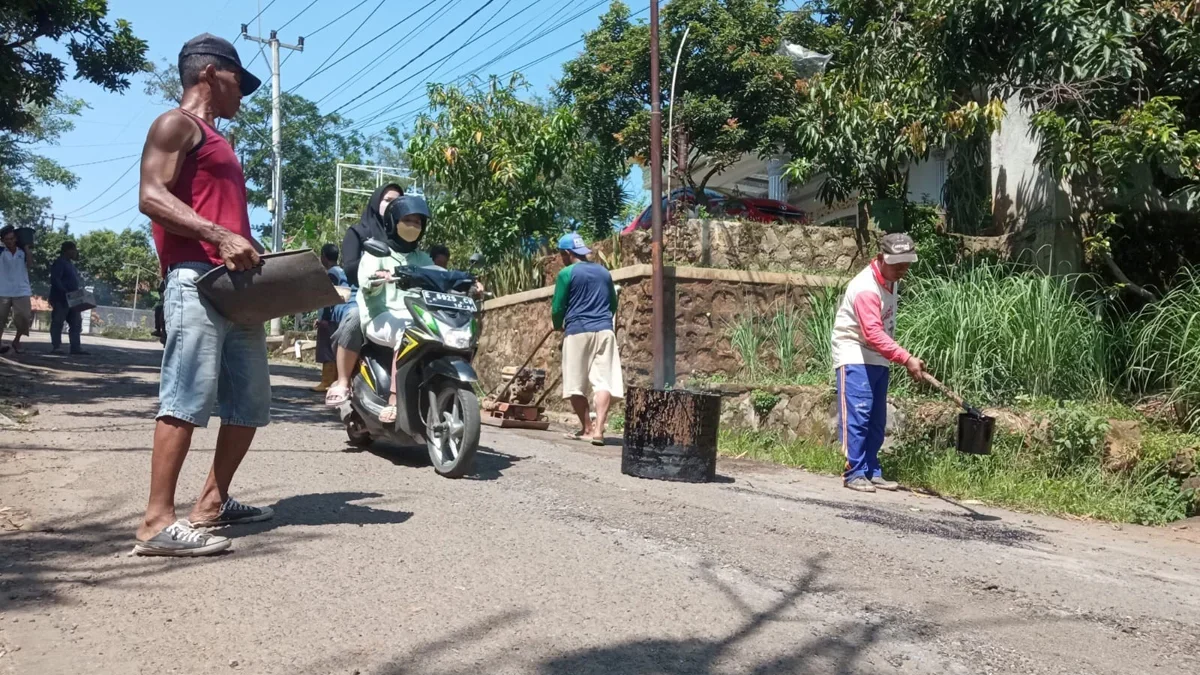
x: 657, y: 283
x: 276, y: 145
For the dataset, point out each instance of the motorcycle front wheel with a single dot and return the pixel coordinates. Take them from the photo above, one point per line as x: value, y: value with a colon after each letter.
x: 452, y: 428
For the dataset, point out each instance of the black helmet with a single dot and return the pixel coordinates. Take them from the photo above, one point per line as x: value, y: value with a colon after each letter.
x: 406, y: 205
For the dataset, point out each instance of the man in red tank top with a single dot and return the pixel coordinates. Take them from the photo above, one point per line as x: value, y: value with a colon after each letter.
x: 194, y: 193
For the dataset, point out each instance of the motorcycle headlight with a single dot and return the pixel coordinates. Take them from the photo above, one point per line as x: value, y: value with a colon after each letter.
x: 456, y: 338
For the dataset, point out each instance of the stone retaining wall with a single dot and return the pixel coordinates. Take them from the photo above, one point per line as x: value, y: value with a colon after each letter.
x: 703, y: 301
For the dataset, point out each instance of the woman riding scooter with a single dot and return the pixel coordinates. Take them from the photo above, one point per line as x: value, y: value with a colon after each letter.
x: 380, y: 303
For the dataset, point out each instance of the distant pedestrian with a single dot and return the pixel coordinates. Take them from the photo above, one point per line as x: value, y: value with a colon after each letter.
x: 863, y: 348
x: 194, y: 192
x: 15, y: 291
x: 440, y: 255
x: 328, y: 321
x: 64, y: 279
x: 585, y: 301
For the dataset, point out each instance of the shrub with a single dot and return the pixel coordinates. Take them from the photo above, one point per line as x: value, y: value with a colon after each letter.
x: 994, y: 332
x: 818, y: 329
x: 1166, y: 351
x: 763, y: 402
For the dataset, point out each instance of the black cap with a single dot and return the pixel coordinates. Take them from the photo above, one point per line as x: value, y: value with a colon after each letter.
x: 211, y: 45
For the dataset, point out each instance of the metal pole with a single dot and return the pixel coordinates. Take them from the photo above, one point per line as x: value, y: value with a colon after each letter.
x: 276, y: 151
x: 671, y: 114
x: 657, y: 283
x: 337, y: 202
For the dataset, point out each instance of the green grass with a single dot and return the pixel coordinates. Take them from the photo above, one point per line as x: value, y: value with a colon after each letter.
x: 995, y: 332
x: 1012, y: 476
x: 1166, y: 351
x: 124, y: 333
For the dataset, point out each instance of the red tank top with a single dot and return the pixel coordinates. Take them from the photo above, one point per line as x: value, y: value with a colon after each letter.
x: 212, y: 183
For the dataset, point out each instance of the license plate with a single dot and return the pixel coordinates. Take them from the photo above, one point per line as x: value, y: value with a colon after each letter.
x: 449, y: 301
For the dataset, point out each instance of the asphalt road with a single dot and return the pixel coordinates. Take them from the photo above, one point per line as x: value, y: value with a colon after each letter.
x: 549, y: 561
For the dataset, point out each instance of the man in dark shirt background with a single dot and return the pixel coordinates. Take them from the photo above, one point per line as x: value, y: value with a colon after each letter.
x: 585, y: 301
x: 64, y: 279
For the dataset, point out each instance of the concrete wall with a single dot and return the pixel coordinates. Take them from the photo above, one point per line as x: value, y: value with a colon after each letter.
x: 704, y: 303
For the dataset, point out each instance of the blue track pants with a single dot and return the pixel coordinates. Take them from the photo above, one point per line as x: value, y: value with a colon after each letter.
x: 862, y: 417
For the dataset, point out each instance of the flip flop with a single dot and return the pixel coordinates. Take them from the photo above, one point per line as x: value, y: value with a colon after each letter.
x: 388, y: 414
x: 574, y: 436
x: 337, y: 396
x: 598, y: 442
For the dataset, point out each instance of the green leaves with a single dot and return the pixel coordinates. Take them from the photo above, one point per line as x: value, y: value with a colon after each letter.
x: 495, y: 161
x: 30, y: 76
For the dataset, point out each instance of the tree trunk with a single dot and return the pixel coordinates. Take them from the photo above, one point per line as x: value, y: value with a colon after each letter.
x: 671, y: 435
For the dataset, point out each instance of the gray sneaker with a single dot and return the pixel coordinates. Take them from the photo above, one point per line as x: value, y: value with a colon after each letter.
x: 180, y: 539
x: 234, y: 512
x: 860, y: 484
x: 882, y: 483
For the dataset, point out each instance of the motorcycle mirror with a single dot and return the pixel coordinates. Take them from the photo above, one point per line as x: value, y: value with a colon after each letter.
x: 476, y: 259
x: 377, y: 248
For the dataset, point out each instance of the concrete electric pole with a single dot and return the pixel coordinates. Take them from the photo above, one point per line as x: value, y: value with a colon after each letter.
x: 276, y: 145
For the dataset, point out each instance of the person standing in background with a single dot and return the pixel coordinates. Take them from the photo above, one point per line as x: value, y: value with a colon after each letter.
x: 863, y: 348
x: 440, y: 255
x: 329, y: 319
x: 15, y: 291
x: 64, y: 279
x: 585, y: 301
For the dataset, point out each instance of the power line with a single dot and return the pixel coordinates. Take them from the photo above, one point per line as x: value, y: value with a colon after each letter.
x: 339, y: 18
x: 105, y: 220
x: 407, y: 63
x: 409, y: 114
x: 297, y: 16
x: 372, y: 65
x: 375, y: 114
x: 101, y: 161
x: 260, y: 12
x: 321, y: 68
x: 109, y: 188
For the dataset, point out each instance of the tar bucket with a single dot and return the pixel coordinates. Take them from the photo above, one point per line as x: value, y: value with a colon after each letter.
x: 975, y: 433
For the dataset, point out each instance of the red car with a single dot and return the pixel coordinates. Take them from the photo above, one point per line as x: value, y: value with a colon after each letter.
x: 763, y: 210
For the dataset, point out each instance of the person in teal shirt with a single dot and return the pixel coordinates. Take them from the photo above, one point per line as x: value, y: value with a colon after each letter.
x: 380, y: 302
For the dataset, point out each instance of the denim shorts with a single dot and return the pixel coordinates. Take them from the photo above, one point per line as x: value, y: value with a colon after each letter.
x: 209, y: 360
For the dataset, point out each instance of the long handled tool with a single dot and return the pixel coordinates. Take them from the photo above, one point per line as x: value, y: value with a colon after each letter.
x: 974, y: 428
x: 950, y: 394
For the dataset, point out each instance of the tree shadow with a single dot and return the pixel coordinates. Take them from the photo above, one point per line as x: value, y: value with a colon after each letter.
x: 47, y: 563
x: 318, y: 509
x: 942, y: 528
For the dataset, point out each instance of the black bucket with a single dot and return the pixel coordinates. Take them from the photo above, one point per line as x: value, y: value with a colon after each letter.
x: 975, y: 433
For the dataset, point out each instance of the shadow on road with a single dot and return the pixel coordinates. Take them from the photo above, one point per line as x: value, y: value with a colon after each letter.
x: 56, y: 558
x: 489, y: 464
x: 943, y: 528
x: 840, y: 647
x: 322, y: 508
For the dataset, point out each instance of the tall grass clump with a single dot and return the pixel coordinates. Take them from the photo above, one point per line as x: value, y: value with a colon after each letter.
x: 818, y: 329
x: 786, y: 330
x: 747, y: 336
x: 514, y: 273
x: 994, y: 332
x: 1166, y: 352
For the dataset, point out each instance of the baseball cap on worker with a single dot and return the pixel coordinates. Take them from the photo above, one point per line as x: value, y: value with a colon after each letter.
x: 208, y: 44
x: 898, y: 248
x: 574, y: 243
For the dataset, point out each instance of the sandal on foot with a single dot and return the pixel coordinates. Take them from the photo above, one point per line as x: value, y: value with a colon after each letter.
x: 598, y: 441
x: 388, y: 414
x: 181, y: 540
x: 337, y: 396
x: 234, y: 512
x: 575, y: 436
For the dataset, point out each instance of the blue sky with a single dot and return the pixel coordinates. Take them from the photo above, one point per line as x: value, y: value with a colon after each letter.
x: 103, y: 148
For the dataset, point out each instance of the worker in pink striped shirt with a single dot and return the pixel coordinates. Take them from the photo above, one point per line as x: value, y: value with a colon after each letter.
x: 863, y: 348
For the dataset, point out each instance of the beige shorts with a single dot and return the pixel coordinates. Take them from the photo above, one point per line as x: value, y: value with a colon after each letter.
x: 591, y: 363
x: 22, y: 313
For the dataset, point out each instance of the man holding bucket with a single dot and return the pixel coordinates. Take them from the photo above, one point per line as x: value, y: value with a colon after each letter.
x: 863, y: 348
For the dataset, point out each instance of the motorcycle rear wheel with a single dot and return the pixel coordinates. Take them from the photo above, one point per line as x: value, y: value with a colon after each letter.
x: 452, y: 428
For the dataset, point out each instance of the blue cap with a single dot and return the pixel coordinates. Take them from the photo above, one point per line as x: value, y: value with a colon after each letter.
x: 574, y: 243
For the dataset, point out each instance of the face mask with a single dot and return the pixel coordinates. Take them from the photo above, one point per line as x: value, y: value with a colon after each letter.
x: 407, y: 231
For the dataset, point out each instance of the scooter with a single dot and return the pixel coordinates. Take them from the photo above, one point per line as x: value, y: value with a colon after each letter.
x: 436, y: 402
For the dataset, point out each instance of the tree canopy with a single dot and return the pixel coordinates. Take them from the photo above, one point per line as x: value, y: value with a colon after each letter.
x: 30, y: 75
x: 493, y: 162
